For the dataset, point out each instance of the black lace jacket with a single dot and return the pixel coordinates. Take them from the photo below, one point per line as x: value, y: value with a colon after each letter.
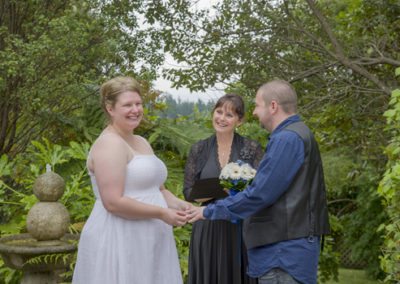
x: 250, y: 152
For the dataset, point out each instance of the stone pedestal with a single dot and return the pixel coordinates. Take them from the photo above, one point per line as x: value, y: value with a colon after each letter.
x: 39, y: 278
x: 47, y: 224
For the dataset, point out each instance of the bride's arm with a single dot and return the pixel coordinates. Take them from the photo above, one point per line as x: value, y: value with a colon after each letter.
x: 173, y: 201
x: 110, y: 156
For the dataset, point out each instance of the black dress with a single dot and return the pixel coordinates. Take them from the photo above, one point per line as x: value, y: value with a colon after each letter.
x: 217, y: 253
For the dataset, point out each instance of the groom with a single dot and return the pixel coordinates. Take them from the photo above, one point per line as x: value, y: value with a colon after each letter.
x: 285, y: 207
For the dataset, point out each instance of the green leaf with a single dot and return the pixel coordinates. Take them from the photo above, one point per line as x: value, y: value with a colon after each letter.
x: 389, y: 113
x: 5, y: 166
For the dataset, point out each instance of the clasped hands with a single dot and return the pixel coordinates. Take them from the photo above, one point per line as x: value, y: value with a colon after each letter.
x: 186, y: 213
x: 195, y: 213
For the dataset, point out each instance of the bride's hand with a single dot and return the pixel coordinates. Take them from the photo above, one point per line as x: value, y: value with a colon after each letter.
x: 195, y: 213
x: 174, y: 217
x: 184, y: 205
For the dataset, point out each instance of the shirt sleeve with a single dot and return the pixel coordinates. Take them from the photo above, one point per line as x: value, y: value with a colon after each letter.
x: 279, y: 166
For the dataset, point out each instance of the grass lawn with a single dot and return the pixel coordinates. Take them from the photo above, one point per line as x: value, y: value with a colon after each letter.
x: 352, y: 276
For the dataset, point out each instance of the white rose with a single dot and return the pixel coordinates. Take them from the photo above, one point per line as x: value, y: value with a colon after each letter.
x: 235, y: 171
x: 247, y: 172
x: 226, y: 171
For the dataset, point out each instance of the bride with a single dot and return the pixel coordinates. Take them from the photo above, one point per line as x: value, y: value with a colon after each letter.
x: 128, y: 237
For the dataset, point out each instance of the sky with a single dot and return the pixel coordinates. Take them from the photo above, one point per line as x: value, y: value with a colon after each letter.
x: 184, y: 94
x: 163, y: 85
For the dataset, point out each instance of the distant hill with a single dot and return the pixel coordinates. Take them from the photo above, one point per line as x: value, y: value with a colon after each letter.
x: 177, y: 107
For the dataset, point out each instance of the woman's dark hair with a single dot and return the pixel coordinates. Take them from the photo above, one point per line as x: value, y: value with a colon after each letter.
x: 234, y: 101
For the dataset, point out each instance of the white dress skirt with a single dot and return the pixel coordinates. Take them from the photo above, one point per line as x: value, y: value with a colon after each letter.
x: 115, y: 250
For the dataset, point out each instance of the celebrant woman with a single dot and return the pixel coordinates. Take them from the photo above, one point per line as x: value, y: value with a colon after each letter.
x: 217, y: 254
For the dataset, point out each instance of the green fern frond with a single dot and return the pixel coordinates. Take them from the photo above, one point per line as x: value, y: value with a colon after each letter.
x: 64, y: 258
x: 178, y: 135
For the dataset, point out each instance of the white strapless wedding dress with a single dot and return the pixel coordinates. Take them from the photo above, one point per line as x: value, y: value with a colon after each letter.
x: 114, y: 250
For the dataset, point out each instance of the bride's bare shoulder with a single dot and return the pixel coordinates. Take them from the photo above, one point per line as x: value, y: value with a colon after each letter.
x: 108, y: 141
x: 143, y: 145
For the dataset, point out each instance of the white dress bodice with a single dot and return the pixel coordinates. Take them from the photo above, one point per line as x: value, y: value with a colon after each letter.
x: 117, y: 250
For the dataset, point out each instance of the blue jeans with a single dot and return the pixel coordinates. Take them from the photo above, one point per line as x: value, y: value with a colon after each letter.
x: 277, y: 276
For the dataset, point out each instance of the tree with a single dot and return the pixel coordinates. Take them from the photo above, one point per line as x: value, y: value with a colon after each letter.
x: 55, y: 53
x: 175, y: 108
x: 311, y: 45
x: 389, y: 189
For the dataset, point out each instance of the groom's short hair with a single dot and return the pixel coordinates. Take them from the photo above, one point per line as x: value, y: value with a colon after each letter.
x: 282, y: 92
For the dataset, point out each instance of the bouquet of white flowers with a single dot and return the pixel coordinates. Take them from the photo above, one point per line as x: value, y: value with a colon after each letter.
x: 236, y: 176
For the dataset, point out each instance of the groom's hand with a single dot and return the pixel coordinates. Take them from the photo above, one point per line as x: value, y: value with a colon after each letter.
x: 194, y: 214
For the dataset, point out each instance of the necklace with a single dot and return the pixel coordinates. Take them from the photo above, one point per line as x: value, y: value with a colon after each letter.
x: 224, y: 153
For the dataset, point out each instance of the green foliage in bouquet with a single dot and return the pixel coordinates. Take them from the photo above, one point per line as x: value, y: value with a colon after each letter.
x: 238, y: 185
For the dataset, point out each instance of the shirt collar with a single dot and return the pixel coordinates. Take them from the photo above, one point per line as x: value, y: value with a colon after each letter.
x: 291, y: 119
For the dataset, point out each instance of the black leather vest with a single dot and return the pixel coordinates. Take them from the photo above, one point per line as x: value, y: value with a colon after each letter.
x: 302, y: 210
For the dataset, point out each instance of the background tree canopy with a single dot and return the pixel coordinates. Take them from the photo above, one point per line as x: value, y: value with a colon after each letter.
x: 340, y: 55
x: 53, y: 53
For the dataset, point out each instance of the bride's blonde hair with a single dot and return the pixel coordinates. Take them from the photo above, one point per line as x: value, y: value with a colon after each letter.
x: 110, y: 90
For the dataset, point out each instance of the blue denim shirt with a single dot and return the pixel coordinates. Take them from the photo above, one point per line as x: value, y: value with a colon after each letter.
x: 283, y: 158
